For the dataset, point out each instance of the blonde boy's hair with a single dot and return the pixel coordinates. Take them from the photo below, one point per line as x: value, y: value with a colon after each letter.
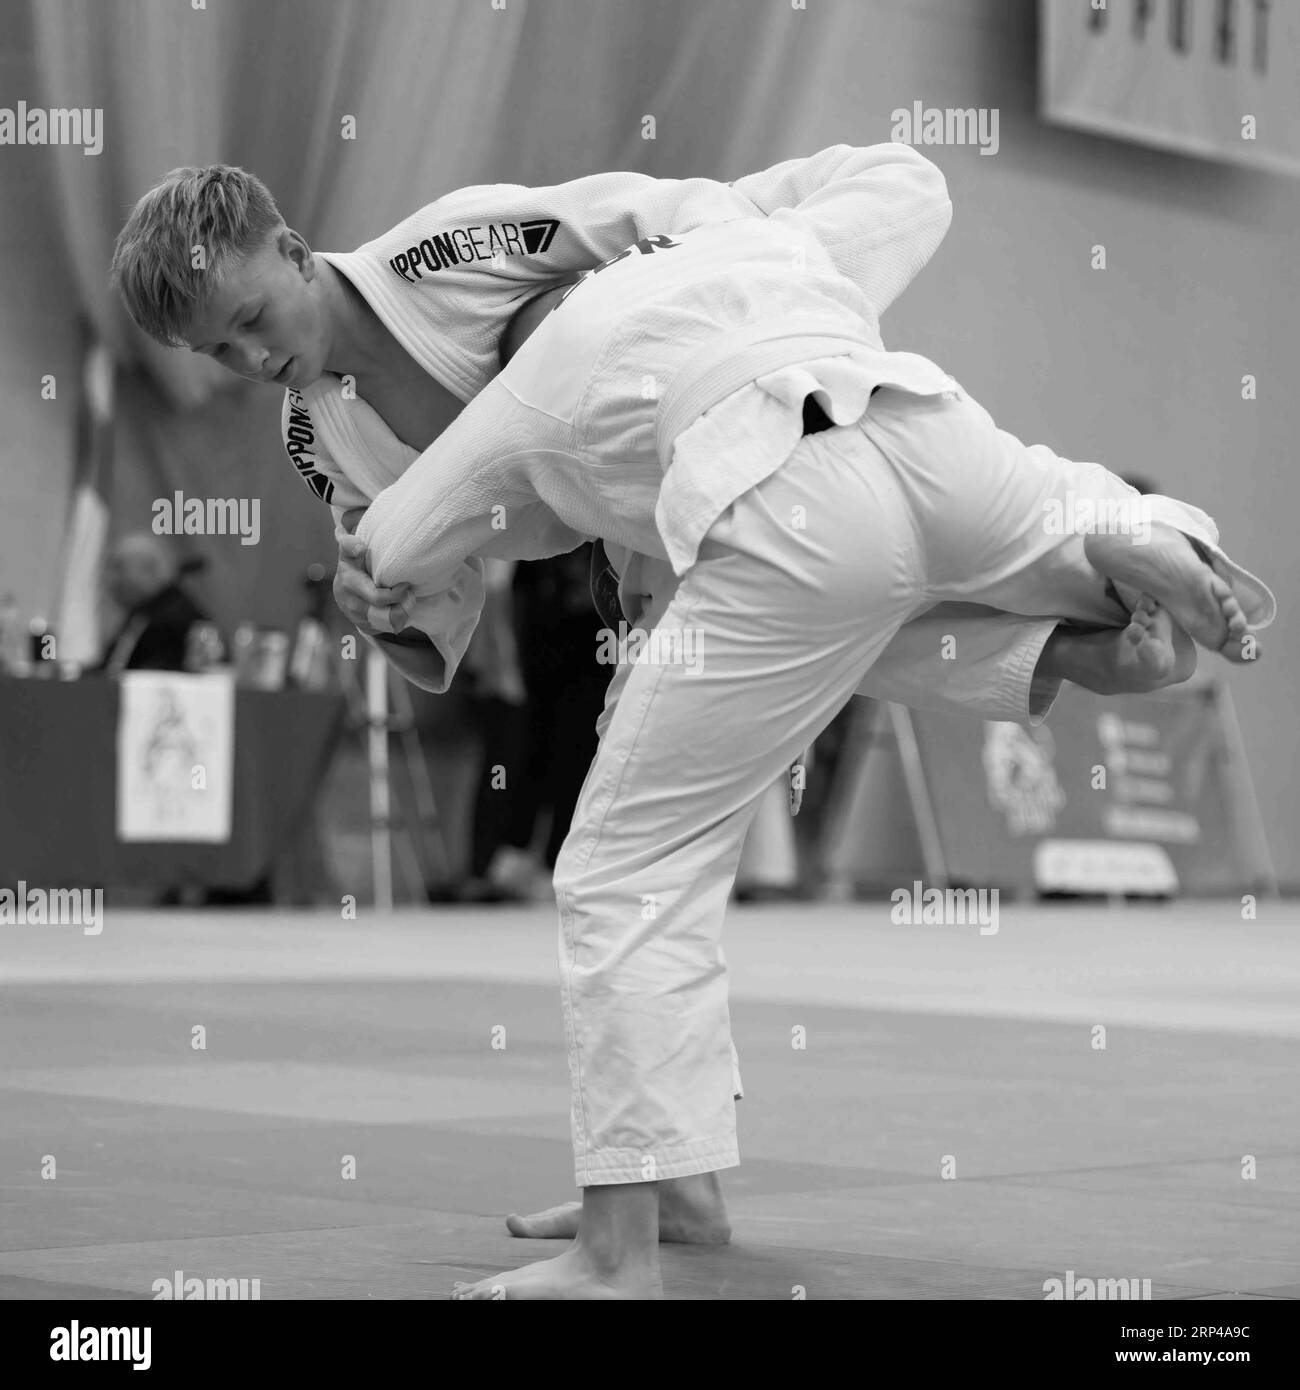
x: 223, y: 209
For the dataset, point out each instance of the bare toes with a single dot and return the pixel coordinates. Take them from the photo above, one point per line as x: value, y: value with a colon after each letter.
x: 1220, y: 588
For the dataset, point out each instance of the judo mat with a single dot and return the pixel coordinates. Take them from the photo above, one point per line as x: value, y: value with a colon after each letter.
x: 930, y: 1113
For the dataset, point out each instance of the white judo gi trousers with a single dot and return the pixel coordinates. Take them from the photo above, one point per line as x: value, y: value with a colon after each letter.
x: 797, y: 589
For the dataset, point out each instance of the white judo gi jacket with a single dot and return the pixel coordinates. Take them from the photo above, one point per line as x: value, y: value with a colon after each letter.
x: 446, y: 281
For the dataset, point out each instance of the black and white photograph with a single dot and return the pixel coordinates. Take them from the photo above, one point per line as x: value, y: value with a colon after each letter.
x: 647, y: 652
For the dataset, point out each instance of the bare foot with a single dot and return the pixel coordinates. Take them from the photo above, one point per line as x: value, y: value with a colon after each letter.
x: 1154, y: 652
x: 555, y: 1223
x: 616, y: 1254
x: 691, y: 1212
x: 1149, y: 654
x: 574, y: 1275
x: 1169, y: 568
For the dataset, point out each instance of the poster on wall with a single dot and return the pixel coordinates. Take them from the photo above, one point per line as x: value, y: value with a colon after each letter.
x: 1120, y: 795
x: 175, y: 757
x: 1215, y: 78
x: 1147, y: 795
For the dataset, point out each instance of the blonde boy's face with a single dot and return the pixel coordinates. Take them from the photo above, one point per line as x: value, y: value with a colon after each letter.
x: 265, y: 320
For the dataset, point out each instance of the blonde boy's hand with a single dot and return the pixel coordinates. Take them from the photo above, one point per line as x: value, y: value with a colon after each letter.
x: 374, y: 610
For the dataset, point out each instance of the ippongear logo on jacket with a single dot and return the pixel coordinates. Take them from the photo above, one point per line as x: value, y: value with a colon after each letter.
x: 460, y: 245
x: 300, y: 443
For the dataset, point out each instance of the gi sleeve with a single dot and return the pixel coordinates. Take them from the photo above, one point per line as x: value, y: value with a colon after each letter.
x: 428, y: 529
x: 880, y: 212
x: 419, y: 662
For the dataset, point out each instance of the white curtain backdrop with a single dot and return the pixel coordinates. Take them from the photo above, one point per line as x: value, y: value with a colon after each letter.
x: 267, y: 85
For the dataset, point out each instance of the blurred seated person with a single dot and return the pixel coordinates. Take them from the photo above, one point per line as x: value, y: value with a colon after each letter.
x: 141, y: 576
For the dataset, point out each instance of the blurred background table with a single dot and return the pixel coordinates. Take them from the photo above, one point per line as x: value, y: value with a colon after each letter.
x: 58, y: 788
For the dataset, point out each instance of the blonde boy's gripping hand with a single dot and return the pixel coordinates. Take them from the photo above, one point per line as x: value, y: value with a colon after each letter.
x: 374, y: 610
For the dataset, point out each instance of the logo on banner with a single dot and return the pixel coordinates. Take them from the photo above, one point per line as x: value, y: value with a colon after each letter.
x: 1021, y: 773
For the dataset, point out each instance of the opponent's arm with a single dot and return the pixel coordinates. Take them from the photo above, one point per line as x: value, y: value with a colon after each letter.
x: 429, y: 528
x: 410, y: 652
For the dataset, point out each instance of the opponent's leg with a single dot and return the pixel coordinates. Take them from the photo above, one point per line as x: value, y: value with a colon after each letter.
x: 1020, y: 528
